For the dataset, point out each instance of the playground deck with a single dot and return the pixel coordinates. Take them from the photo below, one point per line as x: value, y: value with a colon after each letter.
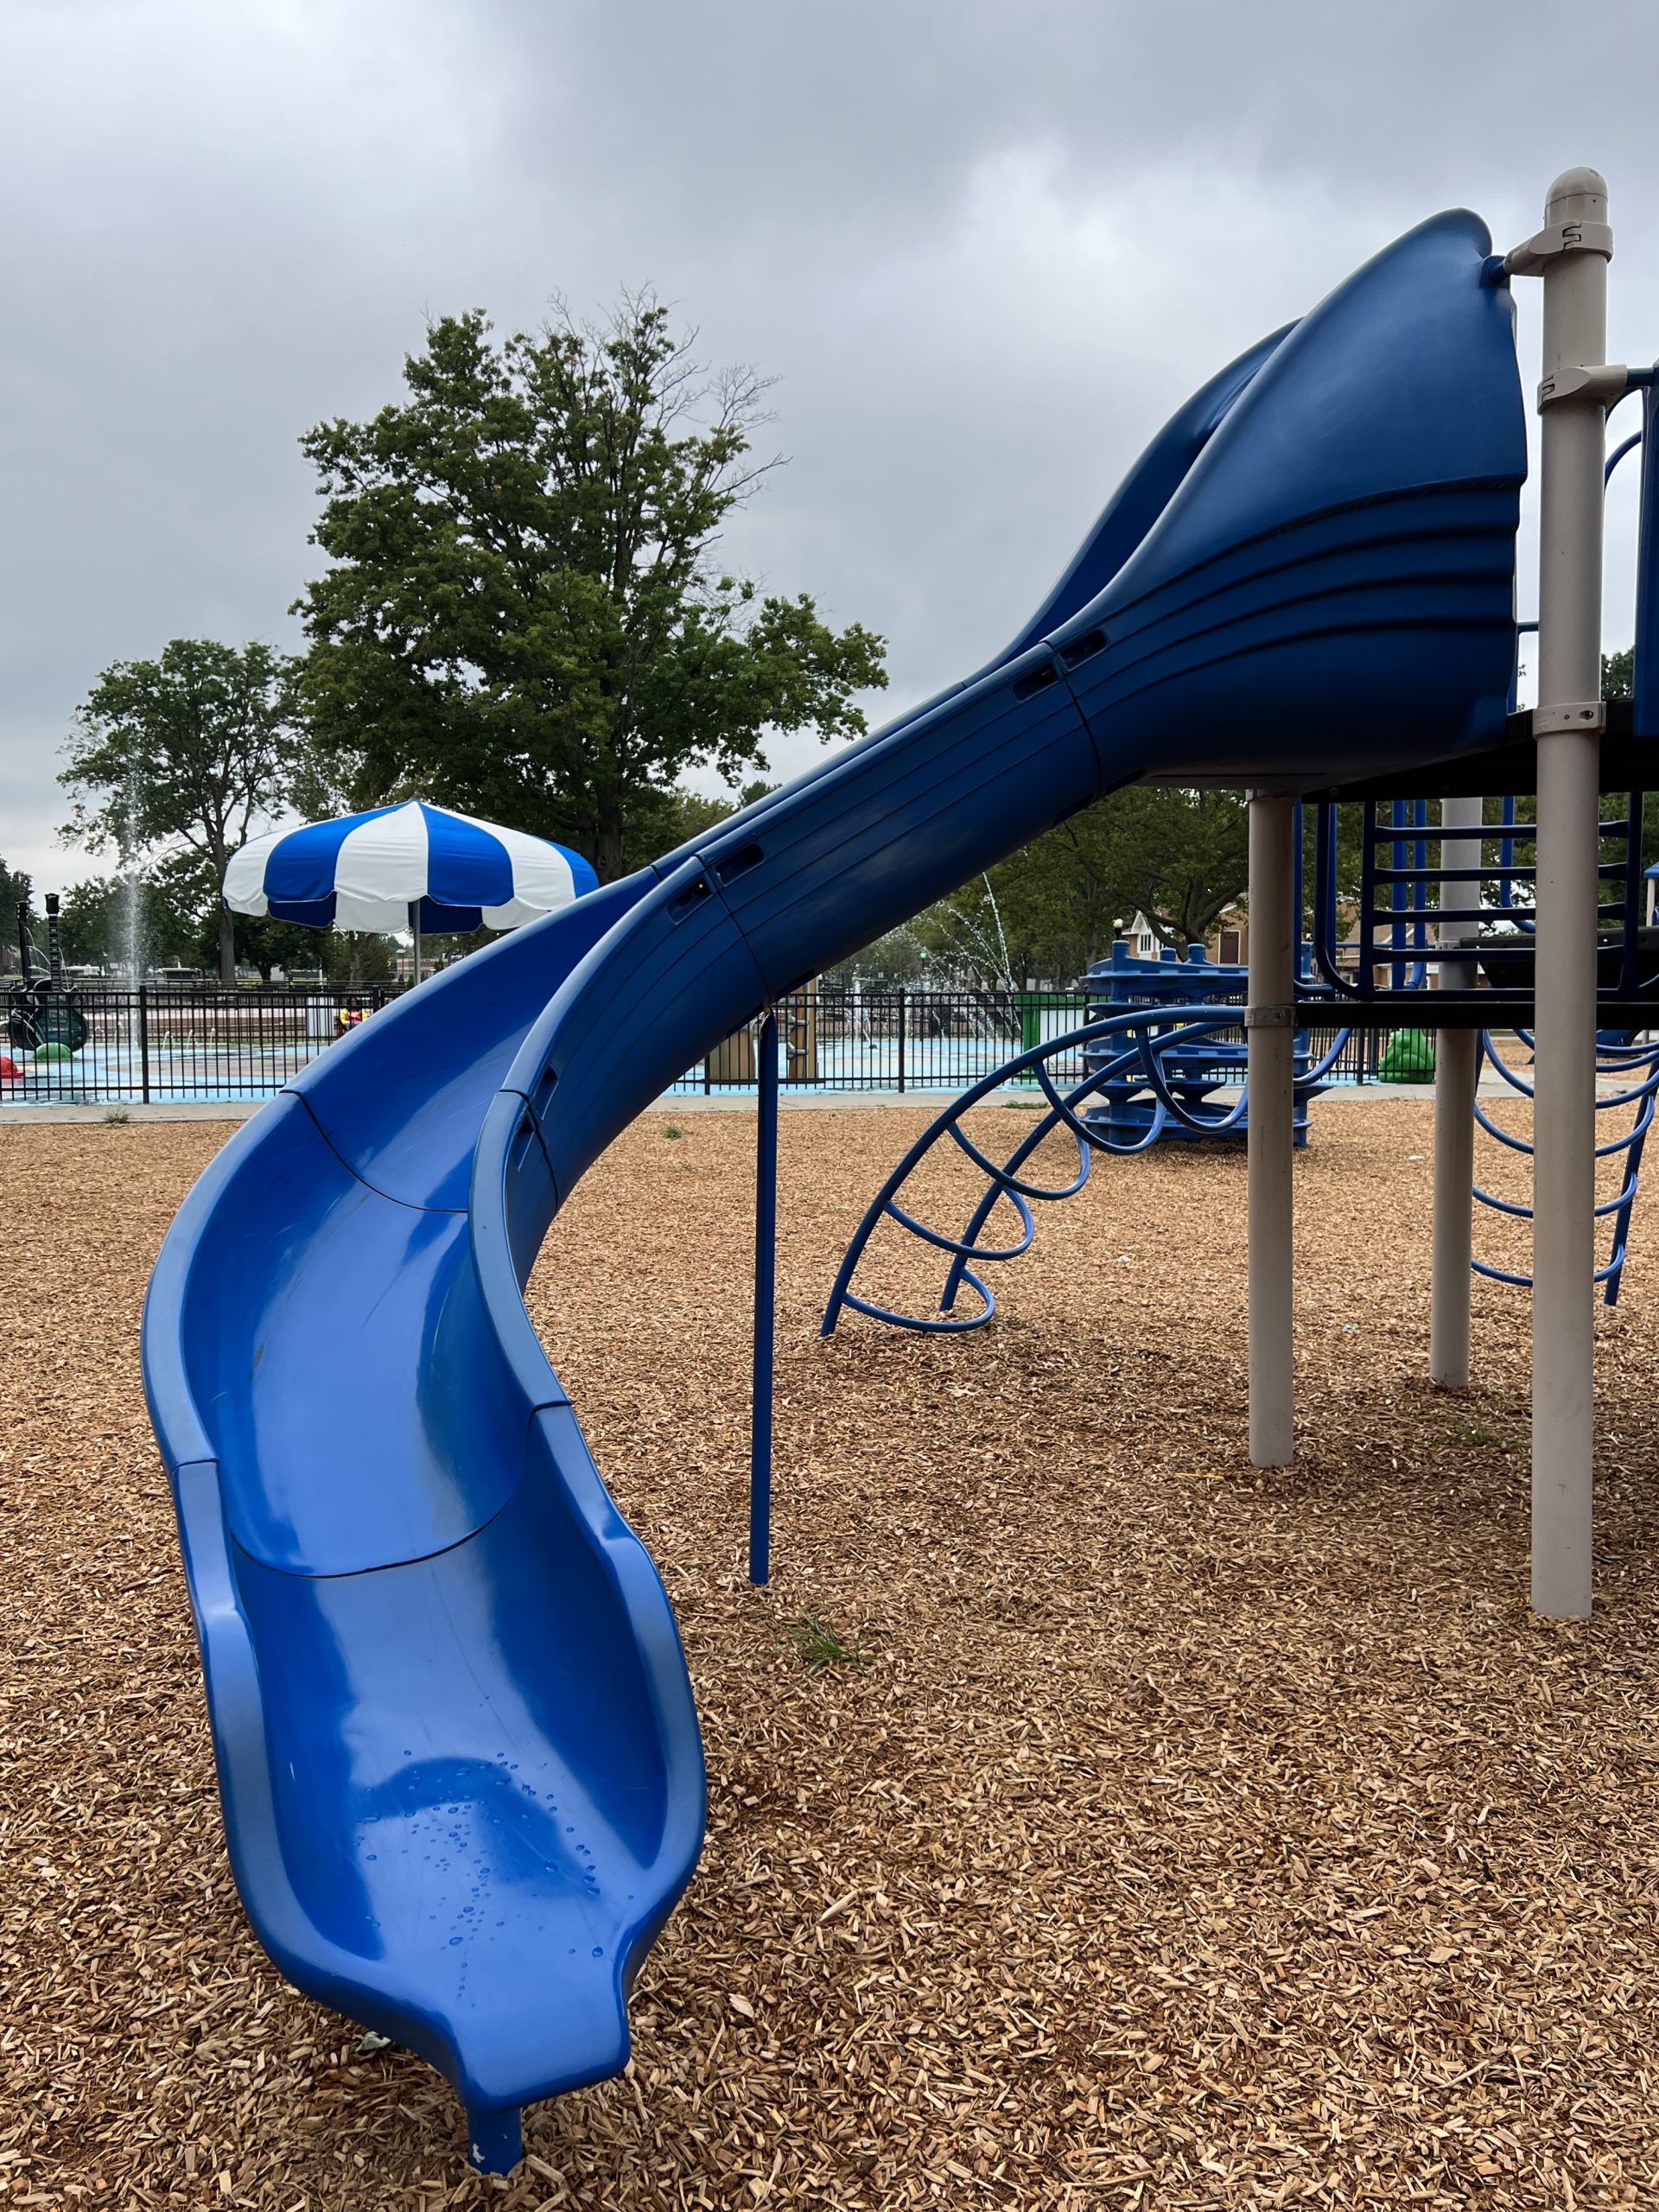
x: 1191, y: 1837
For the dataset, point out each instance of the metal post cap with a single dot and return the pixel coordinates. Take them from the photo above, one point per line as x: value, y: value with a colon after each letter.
x: 1577, y: 195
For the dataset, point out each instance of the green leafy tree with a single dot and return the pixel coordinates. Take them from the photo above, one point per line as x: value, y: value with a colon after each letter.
x: 1179, y: 857
x: 902, y: 956
x: 15, y: 891
x: 352, y: 957
x: 90, y: 921
x: 667, y: 818
x: 662, y: 819
x: 100, y: 918
x: 1183, y: 855
x: 265, y: 944
x: 526, y: 615
x: 177, y: 759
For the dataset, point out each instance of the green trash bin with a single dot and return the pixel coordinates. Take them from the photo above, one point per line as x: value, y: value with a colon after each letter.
x: 1032, y: 1006
x: 1408, y: 1057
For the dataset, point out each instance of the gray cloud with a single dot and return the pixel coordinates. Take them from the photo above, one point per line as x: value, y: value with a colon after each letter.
x: 987, y: 248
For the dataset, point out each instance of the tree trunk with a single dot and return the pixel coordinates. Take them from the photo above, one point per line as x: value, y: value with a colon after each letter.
x: 226, y: 947
x: 607, y: 857
x: 354, y: 972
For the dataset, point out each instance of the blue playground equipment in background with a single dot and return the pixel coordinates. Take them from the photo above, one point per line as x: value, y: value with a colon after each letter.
x: 1158, y: 1091
x: 458, y: 1752
x: 1170, y: 1034
x: 1500, y: 883
x: 1158, y: 1078
x: 1127, y: 1052
x: 1191, y: 1073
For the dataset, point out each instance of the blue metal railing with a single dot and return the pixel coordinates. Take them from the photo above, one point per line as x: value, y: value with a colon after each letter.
x: 1394, y: 918
x: 1611, y: 1059
x: 1176, y: 1030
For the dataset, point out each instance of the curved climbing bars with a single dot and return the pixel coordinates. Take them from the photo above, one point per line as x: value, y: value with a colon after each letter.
x: 1611, y: 1060
x: 1143, y: 1061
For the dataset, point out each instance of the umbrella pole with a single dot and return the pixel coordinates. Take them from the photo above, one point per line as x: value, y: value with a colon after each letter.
x: 415, y: 926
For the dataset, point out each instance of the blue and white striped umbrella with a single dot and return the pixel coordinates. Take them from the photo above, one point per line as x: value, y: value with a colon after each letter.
x: 367, y: 871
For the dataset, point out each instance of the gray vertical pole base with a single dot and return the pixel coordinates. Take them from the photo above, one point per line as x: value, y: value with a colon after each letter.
x: 1271, y: 1128
x: 1574, y: 271
x: 1457, y: 1066
x: 1564, y: 1180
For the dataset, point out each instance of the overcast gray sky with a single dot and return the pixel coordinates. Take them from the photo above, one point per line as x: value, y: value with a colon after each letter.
x: 987, y: 248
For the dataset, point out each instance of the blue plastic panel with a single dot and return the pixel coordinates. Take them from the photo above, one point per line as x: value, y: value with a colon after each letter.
x: 401, y: 1098
x: 1403, y: 380
x: 1143, y: 495
x: 480, y: 1782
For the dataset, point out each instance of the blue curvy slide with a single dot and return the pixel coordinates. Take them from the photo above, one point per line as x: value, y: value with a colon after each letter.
x: 458, y: 1754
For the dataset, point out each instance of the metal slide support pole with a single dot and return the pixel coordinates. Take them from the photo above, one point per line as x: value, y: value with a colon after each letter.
x: 1457, y: 1061
x: 1271, y: 1133
x: 1567, y: 723
x: 766, y: 1279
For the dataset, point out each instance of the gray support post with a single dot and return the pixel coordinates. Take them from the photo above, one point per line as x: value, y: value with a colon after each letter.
x: 1457, y: 1062
x: 1567, y: 723
x: 1271, y: 1127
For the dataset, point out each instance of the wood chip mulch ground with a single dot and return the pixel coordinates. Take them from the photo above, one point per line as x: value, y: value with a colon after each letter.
x: 1186, y: 1837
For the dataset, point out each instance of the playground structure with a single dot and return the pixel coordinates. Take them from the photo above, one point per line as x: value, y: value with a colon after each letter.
x: 458, y: 1753
x: 1158, y: 1078
x: 1133, y: 1110
x: 1155, y: 1063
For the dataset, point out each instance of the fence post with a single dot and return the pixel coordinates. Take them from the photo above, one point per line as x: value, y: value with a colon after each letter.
x: 144, y: 1045
x: 901, y: 1037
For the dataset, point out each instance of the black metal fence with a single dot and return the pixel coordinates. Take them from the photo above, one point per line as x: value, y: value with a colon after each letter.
x: 890, y: 1040
x: 170, y: 1042
x: 194, y: 1043
x: 931, y: 1040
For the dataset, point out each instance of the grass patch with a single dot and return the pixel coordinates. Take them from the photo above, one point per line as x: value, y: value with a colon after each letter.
x: 818, y: 1646
x: 117, y: 1114
x: 673, y: 1130
x: 1475, y: 1432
